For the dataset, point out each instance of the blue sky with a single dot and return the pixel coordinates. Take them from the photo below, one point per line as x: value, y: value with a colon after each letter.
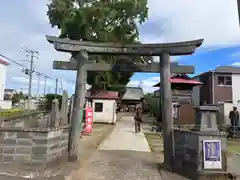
x: 26, y: 24
x: 202, y: 61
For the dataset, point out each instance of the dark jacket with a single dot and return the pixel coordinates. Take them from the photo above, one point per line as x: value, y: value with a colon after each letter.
x: 234, y: 117
x: 138, y: 117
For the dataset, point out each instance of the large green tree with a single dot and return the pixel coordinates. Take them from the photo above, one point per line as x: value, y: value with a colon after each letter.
x: 100, y: 21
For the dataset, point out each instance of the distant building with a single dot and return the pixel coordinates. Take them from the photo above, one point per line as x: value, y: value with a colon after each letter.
x: 132, y: 98
x: 10, y: 92
x: 3, y: 72
x: 220, y: 85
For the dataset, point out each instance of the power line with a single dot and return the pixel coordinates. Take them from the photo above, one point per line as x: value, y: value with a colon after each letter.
x: 26, y: 71
x: 12, y: 60
x: 19, y: 64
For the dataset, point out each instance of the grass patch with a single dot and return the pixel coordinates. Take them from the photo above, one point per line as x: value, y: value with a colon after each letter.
x: 233, y: 146
x: 155, y: 141
x: 11, y: 112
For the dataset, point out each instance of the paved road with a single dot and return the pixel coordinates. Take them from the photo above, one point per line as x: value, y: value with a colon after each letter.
x: 124, y: 155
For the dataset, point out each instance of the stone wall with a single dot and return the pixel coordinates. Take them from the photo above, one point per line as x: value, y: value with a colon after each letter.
x: 188, y: 159
x: 32, y: 146
x: 39, y: 119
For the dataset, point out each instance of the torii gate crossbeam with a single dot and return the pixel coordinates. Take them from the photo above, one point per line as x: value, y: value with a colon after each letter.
x: 164, y: 50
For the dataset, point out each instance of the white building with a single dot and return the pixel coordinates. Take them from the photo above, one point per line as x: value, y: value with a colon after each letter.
x: 3, y: 72
x: 104, y: 104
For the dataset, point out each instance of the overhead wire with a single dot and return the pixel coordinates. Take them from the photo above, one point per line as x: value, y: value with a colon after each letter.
x: 19, y: 64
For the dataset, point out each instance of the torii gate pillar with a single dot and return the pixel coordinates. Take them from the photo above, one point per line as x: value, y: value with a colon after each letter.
x: 79, y: 100
x: 166, y: 101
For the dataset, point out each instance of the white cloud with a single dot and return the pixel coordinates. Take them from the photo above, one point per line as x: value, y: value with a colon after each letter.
x: 173, y: 20
x: 179, y: 20
x: 236, y: 64
x: 146, y: 84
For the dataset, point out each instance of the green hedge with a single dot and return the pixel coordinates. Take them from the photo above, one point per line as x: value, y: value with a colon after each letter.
x: 154, y: 103
x: 12, y: 112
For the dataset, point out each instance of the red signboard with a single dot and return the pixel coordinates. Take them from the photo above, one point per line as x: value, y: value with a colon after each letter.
x: 88, y: 120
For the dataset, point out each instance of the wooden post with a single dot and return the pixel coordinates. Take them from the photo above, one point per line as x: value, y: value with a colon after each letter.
x: 166, y: 99
x: 78, y: 104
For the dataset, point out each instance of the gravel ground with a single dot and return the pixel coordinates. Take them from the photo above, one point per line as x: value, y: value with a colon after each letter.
x: 122, y: 165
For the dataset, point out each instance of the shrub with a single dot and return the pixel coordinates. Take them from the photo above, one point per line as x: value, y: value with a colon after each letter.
x: 154, y: 103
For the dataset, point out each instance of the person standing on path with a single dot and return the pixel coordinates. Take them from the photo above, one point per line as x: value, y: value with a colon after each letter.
x: 234, y: 117
x: 138, y: 120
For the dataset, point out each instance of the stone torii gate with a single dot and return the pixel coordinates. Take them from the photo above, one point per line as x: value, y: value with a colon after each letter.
x: 81, y: 65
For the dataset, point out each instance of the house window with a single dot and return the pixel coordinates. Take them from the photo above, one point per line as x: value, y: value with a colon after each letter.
x: 98, y: 107
x: 224, y: 80
x: 228, y: 80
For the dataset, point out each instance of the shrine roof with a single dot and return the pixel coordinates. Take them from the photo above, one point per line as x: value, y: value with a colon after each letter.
x: 133, y: 93
x: 4, y: 62
x: 181, y: 79
x: 101, y: 94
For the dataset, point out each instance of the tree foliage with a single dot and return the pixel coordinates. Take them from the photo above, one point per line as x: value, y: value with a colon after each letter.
x: 17, y: 97
x: 100, y: 21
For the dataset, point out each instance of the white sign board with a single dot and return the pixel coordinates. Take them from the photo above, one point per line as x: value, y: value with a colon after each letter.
x: 212, y: 156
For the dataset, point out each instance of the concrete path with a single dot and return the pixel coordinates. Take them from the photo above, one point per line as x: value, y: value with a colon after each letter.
x: 123, y: 137
x: 124, y: 155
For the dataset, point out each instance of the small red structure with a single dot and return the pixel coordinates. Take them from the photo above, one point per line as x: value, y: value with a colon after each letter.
x: 182, y: 86
x: 181, y: 81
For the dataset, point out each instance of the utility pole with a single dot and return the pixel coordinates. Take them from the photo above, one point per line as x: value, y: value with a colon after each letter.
x: 140, y: 84
x: 38, y: 84
x: 45, y: 83
x: 61, y: 88
x: 56, y: 89
x: 31, y: 54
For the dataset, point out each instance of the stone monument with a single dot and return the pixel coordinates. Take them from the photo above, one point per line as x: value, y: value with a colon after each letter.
x: 207, y: 118
x: 64, y: 109
x: 55, y: 114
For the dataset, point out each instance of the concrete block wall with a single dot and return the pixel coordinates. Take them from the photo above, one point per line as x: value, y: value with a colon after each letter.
x: 188, y: 158
x: 32, y: 146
